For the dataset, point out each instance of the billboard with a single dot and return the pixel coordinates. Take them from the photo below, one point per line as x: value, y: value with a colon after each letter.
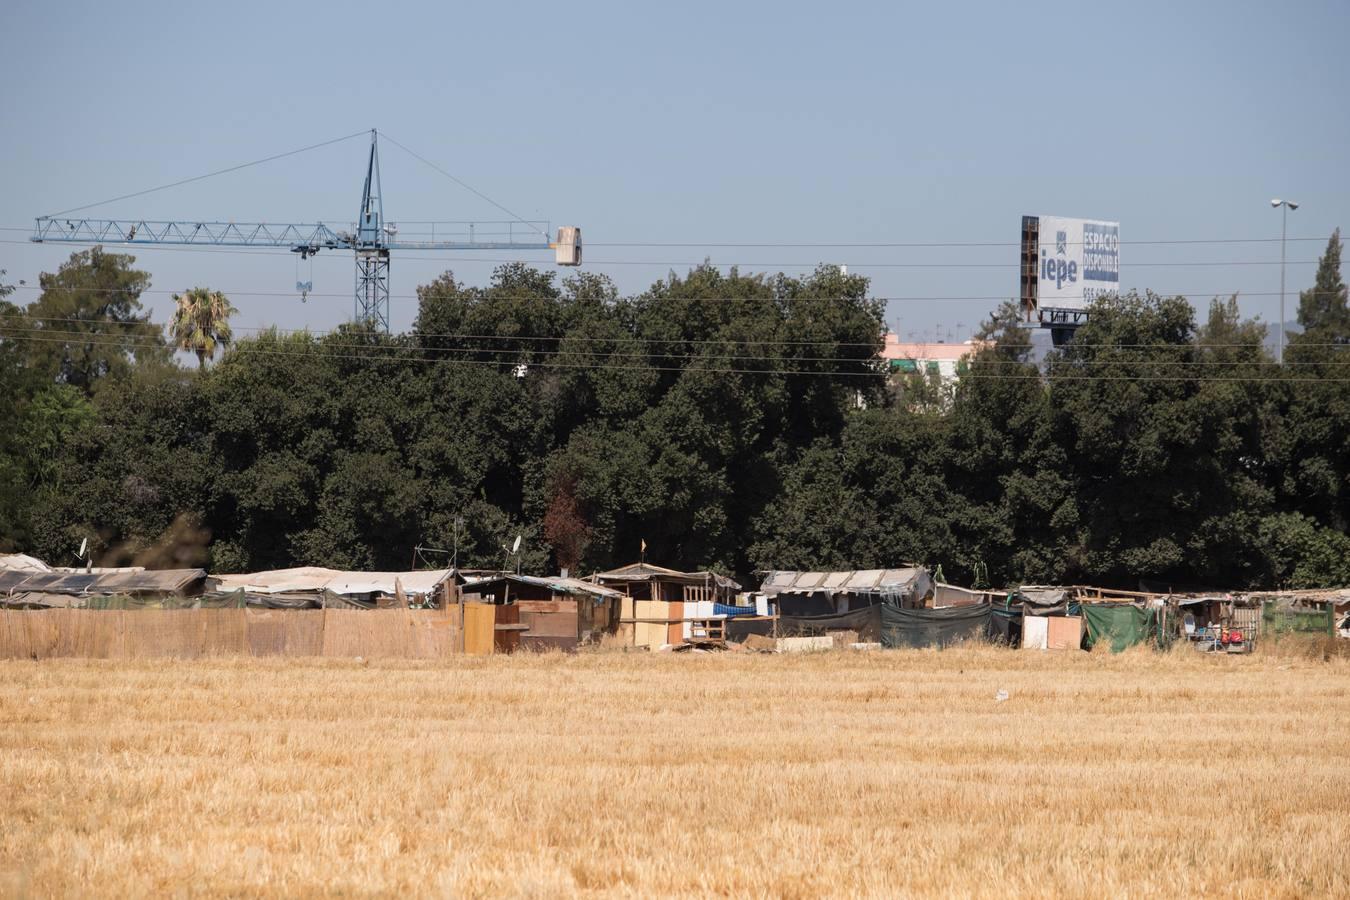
x: 1071, y: 261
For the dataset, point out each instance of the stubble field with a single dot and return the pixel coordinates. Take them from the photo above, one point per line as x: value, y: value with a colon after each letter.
x: 734, y: 774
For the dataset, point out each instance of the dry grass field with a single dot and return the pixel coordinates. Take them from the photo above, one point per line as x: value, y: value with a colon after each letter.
x: 733, y: 774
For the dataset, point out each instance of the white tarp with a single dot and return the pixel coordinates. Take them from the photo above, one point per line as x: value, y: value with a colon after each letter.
x: 18, y: 562
x: 1079, y: 262
x: 313, y: 578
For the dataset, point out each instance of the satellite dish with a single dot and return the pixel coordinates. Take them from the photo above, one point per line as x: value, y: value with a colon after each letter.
x: 515, y: 548
x: 84, y: 548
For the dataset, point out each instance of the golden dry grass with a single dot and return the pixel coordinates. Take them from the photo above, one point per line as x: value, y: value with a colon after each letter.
x: 735, y: 774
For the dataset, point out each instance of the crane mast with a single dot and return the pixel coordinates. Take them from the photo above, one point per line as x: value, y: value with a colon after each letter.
x: 371, y: 239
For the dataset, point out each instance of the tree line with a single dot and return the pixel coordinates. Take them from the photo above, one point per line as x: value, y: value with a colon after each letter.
x: 729, y: 420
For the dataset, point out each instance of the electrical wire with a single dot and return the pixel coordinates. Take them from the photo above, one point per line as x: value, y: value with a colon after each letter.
x: 836, y: 245
x: 402, y: 354
x: 616, y: 339
x: 490, y: 294
x: 694, y: 264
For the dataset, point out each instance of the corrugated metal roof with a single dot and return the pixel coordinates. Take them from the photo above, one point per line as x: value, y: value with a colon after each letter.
x: 557, y: 585
x: 164, y: 581
x: 857, y: 581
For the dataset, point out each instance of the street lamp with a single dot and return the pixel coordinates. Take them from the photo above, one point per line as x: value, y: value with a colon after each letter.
x: 1284, y: 206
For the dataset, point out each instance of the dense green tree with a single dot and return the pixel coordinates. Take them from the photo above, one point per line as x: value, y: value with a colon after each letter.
x: 1324, y: 309
x: 732, y: 420
x: 88, y: 322
x: 1314, y: 441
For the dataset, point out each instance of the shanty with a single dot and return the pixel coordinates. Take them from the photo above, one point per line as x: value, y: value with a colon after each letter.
x: 641, y: 606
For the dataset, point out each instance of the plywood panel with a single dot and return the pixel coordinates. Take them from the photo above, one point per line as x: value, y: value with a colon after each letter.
x: 651, y: 634
x: 507, y: 641
x: 1064, y: 632
x: 563, y: 624
x: 479, y: 633
x: 675, y: 630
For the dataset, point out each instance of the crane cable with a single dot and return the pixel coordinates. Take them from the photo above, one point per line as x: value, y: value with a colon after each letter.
x: 165, y: 187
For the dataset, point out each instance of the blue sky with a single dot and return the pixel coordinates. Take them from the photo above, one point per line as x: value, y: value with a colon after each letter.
x: 691, y: 123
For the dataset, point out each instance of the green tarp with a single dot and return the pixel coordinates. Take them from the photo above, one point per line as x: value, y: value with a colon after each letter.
x: 1276, y: 619
x: 1123, y: 626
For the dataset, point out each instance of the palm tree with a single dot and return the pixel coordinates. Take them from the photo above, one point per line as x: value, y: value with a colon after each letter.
x: 201, y: 322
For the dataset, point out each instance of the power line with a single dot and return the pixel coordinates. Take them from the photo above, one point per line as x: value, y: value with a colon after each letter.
x: 488, y: 294
x: 628, y: 338
x: 402, y: 354
x: 691, y: 264
x: 827, y: 245
x: 75, y: 336
x: 165, y: 187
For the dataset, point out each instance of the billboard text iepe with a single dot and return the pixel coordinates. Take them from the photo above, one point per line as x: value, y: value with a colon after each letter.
x: 1072, y: 262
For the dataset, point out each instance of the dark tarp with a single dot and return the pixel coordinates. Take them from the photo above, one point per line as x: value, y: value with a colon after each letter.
x: 1005, y: 625
x: 1071, y: 608
x: 1123, y: 625
x: 866, y: 622
x: 817, y: 604
x: 933, y: 627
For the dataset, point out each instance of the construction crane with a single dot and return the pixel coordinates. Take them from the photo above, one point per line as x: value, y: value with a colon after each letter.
x: 372, y: 239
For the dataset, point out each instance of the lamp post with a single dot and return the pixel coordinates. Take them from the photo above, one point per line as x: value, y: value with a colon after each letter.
x: 1284, y: 206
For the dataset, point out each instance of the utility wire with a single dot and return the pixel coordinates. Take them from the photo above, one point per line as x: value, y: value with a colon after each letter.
x: 836, y: 244
x: 400, y: 354
x: 628, y: 338
x: 489, y: 294
x: 165, y: 187
x: 354, y: 341
x: 692, y: 264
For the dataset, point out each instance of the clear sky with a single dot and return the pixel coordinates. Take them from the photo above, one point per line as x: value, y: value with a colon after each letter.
x: 688, y: 123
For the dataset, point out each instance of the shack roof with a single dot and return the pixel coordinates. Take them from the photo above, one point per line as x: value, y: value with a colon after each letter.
x: 642, y: 571
x: 858, y: 581
x: 556, y: 585
x: 163, y: 581
x: 316, y: 580
x: 19, y: 562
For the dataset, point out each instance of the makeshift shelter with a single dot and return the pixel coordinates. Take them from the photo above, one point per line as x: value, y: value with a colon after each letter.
x: 659, y: 605
x: 894, y: 626
x: 828, y: 593
x: 315, y: 587
x: 864, y: 622
x: 20, y: 562
x: 933, y: 627
x: 644, y: 581
x: 1297, y: 618
x: 78, y: 588
x: 1119, y: 624
x: 945, y: 595
x: 1043, y: 595
x: 556, y: 612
